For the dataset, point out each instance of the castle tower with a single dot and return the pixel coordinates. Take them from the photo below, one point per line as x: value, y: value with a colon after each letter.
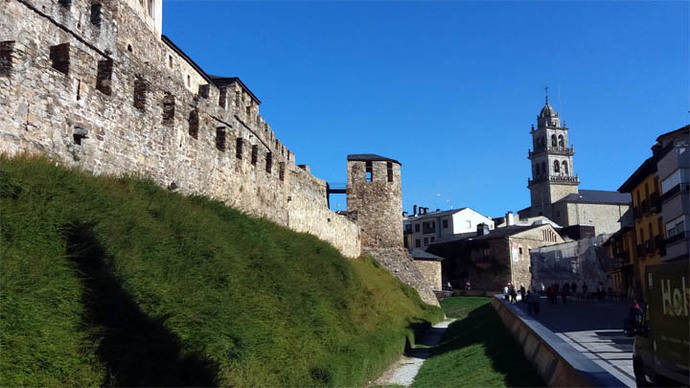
x: 374, y: 199
x: 151, y: 12
x: 552, y: 162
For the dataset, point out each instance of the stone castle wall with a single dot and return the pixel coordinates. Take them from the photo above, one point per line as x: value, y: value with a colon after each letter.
x: 100, y: 91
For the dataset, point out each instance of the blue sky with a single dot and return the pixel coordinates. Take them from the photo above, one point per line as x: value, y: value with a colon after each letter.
x: 450, y: 89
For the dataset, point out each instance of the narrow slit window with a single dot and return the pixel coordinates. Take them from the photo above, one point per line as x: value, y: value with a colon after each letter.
x: 104, y: 77
x: 65, y: 3
x: 281, y: 171
x: 59, y: 57
x: 204, y: 90
x: 389, y: 169
x: 238, y: 147
x: 140, y: 90
x: 269, y: 162
x: 369, y: 172
x: 6, y: 49
x: 220, y: 139
x: 255, y: 154
x: 168, y: 109
x: 96, y: 10
x: 222, y: 97
x: 194, y: 124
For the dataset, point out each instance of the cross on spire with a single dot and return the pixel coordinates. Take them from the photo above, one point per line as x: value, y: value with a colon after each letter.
x: 546, y: 89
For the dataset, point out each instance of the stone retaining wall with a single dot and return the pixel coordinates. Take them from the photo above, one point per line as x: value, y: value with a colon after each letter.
x: 556, y: 362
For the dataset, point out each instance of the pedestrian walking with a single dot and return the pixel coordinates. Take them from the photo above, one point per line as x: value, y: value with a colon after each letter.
x: 468, y: 286
x: 513, y: 294
x: 522, y: 292
x: 506, y: 291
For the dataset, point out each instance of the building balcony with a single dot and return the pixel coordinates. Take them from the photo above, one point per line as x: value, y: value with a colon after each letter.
x: 557, y: 179
x: 566, y: 151
x: 676, y: 237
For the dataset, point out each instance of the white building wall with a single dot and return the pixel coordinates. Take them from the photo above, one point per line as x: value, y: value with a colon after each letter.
x: 466, y: 221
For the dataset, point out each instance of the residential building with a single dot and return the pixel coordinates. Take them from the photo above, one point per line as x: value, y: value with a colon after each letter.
x: 644, y: 186
x: 490, y: 259
x: 673, y: 170
x: 423, y: 228
x: 554, y: 185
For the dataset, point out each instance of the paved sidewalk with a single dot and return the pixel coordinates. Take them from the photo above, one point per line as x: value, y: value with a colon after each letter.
x: 403, y: 371
x: 593, y: 329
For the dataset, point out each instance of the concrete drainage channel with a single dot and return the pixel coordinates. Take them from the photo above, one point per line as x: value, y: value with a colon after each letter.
x: 404, y: 371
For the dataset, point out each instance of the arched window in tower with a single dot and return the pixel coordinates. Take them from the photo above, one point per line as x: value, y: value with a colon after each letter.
x: 553, y: 141
x: 565, y: 167
x: 561, y: 142
x: 556, y: 167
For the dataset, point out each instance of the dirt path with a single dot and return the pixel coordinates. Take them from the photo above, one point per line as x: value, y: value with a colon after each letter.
x: 403, y: 371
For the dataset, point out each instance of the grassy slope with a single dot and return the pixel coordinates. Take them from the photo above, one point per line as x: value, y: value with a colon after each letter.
x: 476, y: 351
x: 117, y: 281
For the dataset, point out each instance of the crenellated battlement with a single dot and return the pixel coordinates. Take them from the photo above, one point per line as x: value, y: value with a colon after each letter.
x: 92, y: 87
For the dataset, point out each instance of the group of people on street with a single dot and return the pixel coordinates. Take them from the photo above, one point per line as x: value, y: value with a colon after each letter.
x: 529, y: 297
x: 567, y: 289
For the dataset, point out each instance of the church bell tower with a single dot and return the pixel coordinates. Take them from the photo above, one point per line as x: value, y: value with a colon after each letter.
x: 552, y: 162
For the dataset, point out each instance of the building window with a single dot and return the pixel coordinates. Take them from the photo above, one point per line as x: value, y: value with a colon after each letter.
x: 96, y: 14
x: 281, y: 171
x: 239, y: 142
x: 445, y: 224
x: 417, y: 243
x: 389, y: 168
x: 269, y: 162
x: 416, y: 228
x: 426, y: 241
x: 220, y: 139
x: 6, y: 49
x: 140, y: 89
x: 168, y: 109
x: 255, y: 154
x: 565, y: 168
x: 469, y: 224
x: 433, y: 238
x: 369, y: 172
x: 520, y: 250
x: 59, y: 57
x: 554, y: 142
x: 556, y: 167
x: 170, y: 61
x: 189, y: 81
x: 561, y: 141
x: 222, y: 96
x: 104, y: 76
x: 193, y: 121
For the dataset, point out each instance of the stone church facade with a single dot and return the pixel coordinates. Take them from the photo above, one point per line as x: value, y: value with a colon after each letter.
x: 554, y: 191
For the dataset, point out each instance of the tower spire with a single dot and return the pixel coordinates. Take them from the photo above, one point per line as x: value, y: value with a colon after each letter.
x: 546, y: 89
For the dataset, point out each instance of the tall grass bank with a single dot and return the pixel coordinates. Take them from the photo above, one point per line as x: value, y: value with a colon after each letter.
x: 117, y: 281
